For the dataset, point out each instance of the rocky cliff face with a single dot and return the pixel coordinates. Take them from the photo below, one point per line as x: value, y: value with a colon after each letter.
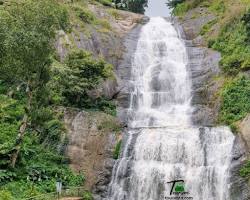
x: 205, y: 73
x: 91, y: 144
x: 91, y: 136
x: 90, y: 149
x: 102, y: 42
x: 204, y: 68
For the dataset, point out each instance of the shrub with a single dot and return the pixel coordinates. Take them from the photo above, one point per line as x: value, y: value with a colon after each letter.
x: 114, y: 13
x: 117, y: 150
x: 110, y: 125
x: 137, y: 6
x: 107, y: 3
x: 6, y: 195
x: 217, y: 6
x: 233, y: 47
x: 174, y: 3
x: 105, y: 24
x: 181, y: 9
x: 246, y: 20
x: 235, y: 103
x: 85, y: 15
x: 87, y: 196
x: 84, y: 74
x: 207, y: 27
x: 210, y: 43
x: 245, y: 170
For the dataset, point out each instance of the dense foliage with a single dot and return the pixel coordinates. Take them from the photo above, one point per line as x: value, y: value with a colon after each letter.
x: 85, y: 74
x: 233, y: 44
x: 234, y: 48
x: 41, y: 161
x: 137, y: 6
x: 73, y: 80
x: 174, y: 3
x: 33, y: 85
x: 246, y: 20
x: 236, y: 102
x: 27, y: 30
x: 245, y: 170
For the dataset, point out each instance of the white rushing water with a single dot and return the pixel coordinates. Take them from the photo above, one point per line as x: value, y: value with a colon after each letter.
x: 162, y: 144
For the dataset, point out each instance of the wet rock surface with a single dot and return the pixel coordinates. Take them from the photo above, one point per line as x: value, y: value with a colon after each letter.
x: 124, y: 71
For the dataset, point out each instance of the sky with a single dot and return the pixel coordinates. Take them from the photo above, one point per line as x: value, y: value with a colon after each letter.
x: 157, y: 8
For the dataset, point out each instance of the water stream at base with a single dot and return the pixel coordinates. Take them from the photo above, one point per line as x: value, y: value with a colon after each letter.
x: 162, y: 145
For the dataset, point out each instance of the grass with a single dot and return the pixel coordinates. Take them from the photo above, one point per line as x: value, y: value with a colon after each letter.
x: 245, y: 170
x: 234, y: 48
x: 87, y: 196
x: 207, y: 27
x: 114, y: 13
x: 181, y: 9
x: 117, y: 150
x: 110, y: 125
x: 84, y: 14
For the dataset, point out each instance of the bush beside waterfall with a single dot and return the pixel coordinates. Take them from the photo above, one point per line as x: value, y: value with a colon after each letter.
x: 235, y: 101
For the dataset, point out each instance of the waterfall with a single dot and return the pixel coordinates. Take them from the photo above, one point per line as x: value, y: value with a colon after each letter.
x: 162, y: 146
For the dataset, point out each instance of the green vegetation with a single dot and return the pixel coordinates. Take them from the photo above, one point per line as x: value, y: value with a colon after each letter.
x: 233, y: 44
x: 137, y: 6
x: 234, y: 48
x: 180, y: 7
x: 26, y: 33
x: 207, y: 27
x: 41, y: 161
x: 232, y: 40
x: 85, y: 15
x: 108, y: 125
x: 174, y: 3
x: 117, y: 150
x: 229, y: 34
x: 217, y: 7
x: 107, y: 3
x: 87, y: 196
x: 73, y: 80
x: 6, y: 195
x: 245, y: 170
x: 33, y: 84
x: 236, y: 104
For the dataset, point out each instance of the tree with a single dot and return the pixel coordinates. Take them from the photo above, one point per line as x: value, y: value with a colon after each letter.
x: 174, y: 3
x: 84, y: 74
x: 137, y: 6
x: 27, y: 30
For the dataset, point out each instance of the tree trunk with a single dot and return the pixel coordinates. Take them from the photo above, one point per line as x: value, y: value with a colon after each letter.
x: 21, y: 132
x: 19, y: 141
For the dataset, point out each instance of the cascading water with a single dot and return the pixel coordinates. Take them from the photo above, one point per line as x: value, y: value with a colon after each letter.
x: 162, y: 144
